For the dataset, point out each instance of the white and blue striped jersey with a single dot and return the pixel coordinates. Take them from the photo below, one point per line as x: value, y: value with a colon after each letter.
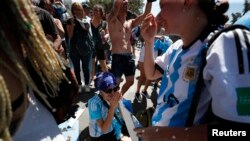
x: 97, y: 110
x: 181, y: 69
x: 226, y: 75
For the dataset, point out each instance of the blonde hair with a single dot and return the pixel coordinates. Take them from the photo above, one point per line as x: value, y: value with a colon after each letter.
x: 5, y: 111
x: 75, y: 6
x: 36, y: 48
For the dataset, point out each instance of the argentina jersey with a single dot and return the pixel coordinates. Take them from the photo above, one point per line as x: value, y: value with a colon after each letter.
x: 181, y: 68
x: 97, y: 110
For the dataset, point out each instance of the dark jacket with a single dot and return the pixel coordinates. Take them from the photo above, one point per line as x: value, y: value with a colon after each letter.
x: 81, y: 41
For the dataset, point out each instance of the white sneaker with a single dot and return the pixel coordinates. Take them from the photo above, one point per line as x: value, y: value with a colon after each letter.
x: 87, y: 88
x: 138, y: 97
x: 80, y: 89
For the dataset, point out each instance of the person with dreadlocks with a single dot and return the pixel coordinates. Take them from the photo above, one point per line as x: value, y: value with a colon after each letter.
x: 22, y: 116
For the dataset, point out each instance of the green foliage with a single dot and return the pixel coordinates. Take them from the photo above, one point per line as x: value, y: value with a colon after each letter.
x: 246, y: 7
x: 235, y: 17
x: 134, y: 5
x: 107, y: 4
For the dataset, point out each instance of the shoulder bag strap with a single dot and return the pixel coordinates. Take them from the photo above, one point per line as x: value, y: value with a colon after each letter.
x: 197, y: 93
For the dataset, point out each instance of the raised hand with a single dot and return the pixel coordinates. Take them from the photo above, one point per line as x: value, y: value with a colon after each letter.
x: 115, y: 99
x: 149, y: 28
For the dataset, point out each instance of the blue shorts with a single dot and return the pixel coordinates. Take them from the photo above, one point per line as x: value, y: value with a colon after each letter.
x: 123, y: 64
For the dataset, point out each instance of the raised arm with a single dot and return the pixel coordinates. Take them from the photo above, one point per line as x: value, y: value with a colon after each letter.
x: 115, y: 9
x: 148, y: 32
x: 140, y: 18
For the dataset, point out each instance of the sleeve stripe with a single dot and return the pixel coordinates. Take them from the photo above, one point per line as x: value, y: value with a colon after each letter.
x: 239, y: 52
x: 248, y: 47
x: 159, y: 68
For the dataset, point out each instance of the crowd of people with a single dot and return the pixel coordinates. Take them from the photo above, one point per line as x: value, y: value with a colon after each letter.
x: 45, y: 47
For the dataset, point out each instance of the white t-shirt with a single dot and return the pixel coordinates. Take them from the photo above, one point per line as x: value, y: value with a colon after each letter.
x: 142, y: 54
x: 38, y: 124
x: 228, y: 86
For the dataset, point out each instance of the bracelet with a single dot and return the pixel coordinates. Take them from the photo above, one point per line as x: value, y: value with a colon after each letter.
x: 151, y: 1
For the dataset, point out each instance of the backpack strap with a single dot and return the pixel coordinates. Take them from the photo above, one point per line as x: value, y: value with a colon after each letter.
x: 232, y: 27
x: 198, y: 90
x: 200, y: 81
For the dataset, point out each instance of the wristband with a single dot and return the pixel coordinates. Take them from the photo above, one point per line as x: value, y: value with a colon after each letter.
x: 151, y: 1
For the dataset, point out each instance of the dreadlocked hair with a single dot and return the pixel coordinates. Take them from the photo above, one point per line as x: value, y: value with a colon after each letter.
x: 5, y: 111
x: 20, y: 16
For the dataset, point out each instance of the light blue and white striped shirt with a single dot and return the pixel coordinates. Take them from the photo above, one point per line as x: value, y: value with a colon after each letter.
x: 97, y: 110
x: 181, y: 68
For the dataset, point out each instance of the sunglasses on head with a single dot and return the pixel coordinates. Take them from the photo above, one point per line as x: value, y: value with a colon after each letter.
x: 109, y: 91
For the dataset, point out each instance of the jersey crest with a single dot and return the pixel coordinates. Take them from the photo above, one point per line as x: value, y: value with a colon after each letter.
x: 190, y: 73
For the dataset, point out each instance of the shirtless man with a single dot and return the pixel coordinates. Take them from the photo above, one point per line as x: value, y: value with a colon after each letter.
x: 120, y: 33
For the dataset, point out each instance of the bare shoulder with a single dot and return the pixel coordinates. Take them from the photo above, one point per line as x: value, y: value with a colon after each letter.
x: 129, y: 23
x: 57, y: 21
x: 111, y: 18
x: 113, y: 21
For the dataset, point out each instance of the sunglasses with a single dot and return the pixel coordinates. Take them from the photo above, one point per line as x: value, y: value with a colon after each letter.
x: 109, y: 91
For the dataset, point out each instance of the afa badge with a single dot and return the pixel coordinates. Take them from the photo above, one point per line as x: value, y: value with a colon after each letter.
x: 190, y: 73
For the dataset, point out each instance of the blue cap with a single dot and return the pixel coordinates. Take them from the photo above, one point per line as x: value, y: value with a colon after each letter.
x: 105, y: 80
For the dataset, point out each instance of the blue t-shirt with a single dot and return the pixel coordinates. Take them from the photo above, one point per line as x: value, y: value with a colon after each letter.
x: 162, y: 45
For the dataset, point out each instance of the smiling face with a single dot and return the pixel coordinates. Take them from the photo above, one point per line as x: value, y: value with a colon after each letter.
x: 177, y: 16
x: 98, y: 11
x: 171, y: 15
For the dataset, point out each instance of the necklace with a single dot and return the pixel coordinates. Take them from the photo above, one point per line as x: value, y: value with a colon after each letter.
x: 123, y: 26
